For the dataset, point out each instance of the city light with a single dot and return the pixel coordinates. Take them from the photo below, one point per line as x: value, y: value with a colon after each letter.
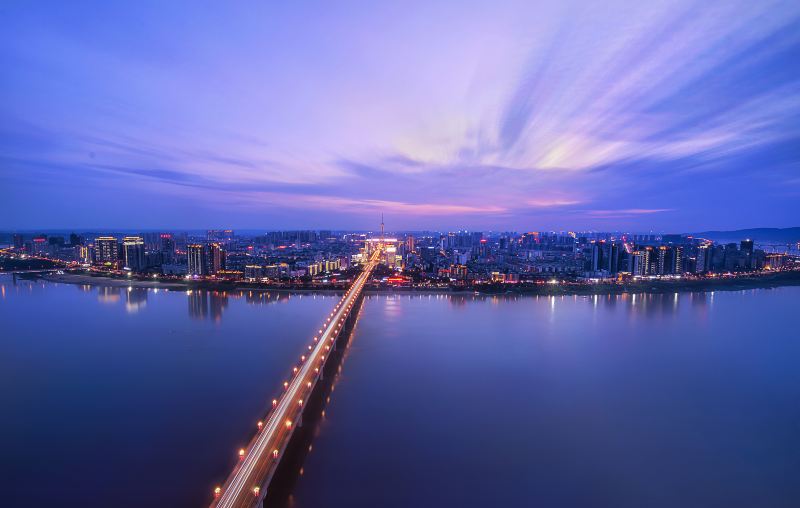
x: 281, y: 410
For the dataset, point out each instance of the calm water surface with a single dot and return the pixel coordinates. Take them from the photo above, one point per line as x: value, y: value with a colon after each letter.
x: 659, y: 401
x: 139, y: 397
x: 663, y: 400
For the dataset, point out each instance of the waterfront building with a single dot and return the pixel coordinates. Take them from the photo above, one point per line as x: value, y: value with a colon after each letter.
x: 39, y: 246
x: 703, y: 258
x: 196, y: 258
x: 613, y: 258
x: 253, y: 272
x: 86, y: 254
x: 167, y: 248
x: 664, y: 260
x: 637, y: 265
x: 733, y: 258
x: 746, y: 248
x: 677, y: 259
x: 649, y: 260
x: 597, y: 257
x: 458, y: 272
x: 774, y: 261
x: 106, y: 249
x: 133, y: 253
x: 173, y: 269
x: 215, y: 259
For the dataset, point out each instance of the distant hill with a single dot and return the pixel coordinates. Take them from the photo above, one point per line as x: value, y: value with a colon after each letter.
x: 760, y: 235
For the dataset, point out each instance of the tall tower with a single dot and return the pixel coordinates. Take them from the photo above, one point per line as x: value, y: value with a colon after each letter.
x: 381, y: 228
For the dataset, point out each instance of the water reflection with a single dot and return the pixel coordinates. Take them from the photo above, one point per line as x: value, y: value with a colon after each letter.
x: 631, y: 389
x: 162, y: 369
x: 207, y: 304
x: 646, y: 305
x: 266, y: 297
x: 212, y: 305
x: 108, y: 294
x: 135, y: 299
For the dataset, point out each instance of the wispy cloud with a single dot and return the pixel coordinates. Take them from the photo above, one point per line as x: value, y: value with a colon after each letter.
x: 627, y: 212
x: 548, y: 114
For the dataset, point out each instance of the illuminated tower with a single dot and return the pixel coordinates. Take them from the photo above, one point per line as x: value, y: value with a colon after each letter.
x: 133, y: 253
x: 196, y: 257
x: 107, y: 249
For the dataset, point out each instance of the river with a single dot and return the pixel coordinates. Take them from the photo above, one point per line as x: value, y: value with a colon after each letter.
x: 117, y: 397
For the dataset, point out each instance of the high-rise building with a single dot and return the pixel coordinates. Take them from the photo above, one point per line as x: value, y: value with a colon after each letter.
x: 410, y: 243
x: 253, y: 272
x: 106, y: 249
x: 167, y: 248
x: 677, y: 259
x: 597, y: 256
x: 390, y: 256
x: 133, y: 251
x: 214, y: 258
x: 196, y: 256
x: 638, y: 263
x: 19, y: 241
x: 458, y: 272
x: 314, y: 269
x: 613, y: 258
x: 649, y: 260
x: 664, y: 262
x: 86, y: 253
x: 75, y: 239
x: 746, y: 248
x: 40, y: 245
x: 734, y: 258
x: 703, y: 258
x: 774, y: 261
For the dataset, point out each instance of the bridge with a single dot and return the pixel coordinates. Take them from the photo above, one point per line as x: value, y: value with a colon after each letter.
x: 248, y: 483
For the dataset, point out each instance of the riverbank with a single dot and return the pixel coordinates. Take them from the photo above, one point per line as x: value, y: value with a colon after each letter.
x: 172, y: 285
x: 737, y: 283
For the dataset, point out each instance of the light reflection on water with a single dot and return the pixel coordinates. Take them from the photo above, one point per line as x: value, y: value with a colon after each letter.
x: 622, y: 401
x: 108, y: 391
x: 488, y: 400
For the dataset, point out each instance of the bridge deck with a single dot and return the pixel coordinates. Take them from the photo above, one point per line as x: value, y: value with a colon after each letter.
x: 248, y: 482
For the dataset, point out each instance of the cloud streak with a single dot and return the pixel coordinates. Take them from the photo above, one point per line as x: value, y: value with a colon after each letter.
x: 558, y: 115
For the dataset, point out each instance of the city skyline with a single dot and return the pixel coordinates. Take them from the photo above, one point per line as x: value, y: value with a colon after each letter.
x: 263, y: 254
x: 670, y: 116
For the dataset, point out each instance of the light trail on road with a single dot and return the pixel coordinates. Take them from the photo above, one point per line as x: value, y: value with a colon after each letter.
x: 246, y: 486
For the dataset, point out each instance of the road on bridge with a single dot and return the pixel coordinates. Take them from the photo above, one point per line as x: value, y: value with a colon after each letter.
x: 247, y: 484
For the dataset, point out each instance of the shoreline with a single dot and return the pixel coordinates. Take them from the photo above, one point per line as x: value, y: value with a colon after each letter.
x: 761, y: 281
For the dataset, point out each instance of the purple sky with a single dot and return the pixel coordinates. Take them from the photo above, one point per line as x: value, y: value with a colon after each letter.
x: 667, y: 115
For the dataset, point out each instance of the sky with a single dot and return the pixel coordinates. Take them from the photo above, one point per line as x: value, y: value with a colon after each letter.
x: 554, y: 115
